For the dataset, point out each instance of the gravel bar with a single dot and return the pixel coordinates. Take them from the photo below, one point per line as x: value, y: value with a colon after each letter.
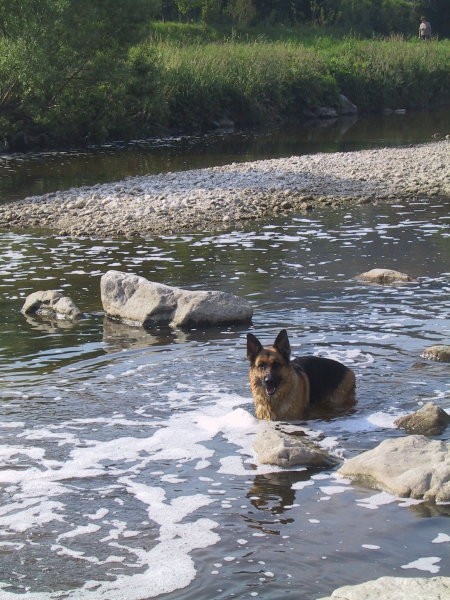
x: 219, y: 197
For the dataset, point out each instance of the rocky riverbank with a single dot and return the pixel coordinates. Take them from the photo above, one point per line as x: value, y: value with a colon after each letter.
x: 220, y: 197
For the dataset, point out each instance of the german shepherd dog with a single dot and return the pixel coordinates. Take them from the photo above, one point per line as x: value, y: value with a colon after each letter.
x: 308, y: 386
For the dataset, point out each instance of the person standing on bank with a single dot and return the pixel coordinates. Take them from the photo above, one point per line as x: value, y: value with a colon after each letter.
x: 424, y: 29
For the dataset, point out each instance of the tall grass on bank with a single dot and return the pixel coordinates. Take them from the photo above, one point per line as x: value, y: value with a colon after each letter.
x: 249, y: 83
x: 393, y: 73
x: 268, y: 81
x: 166, y: 84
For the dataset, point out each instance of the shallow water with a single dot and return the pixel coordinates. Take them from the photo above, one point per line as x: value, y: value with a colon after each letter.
x: 38, y: 173
x: 126, y: 466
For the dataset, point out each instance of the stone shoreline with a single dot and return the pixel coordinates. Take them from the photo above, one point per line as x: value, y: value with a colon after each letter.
x: 220, y: 197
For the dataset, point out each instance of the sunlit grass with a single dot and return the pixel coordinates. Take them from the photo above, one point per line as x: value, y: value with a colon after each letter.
x: 258, y: 80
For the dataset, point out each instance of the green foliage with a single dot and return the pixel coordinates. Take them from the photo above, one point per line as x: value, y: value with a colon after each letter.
x: 366, y: 17
x: 391, y: 73
x: 91, y: 70
x: 266, y: 81
x: 64, y: 63
x: 183, y: 33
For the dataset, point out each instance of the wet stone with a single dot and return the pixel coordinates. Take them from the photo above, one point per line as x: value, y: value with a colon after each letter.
x: 440, y: 352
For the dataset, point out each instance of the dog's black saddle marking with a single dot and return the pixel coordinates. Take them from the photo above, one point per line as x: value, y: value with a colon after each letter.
x: 324, y: 375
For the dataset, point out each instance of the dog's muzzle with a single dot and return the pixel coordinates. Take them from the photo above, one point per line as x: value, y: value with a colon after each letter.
x: 270, y: 385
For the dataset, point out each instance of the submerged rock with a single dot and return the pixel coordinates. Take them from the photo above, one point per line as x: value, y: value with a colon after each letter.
x: 346, y: 106
x: 431, y: 419
x: 277, y: 448
x: 440, y: 352
x: 400, y: 588
x: 51, y: 303
x: 385, y: 276
x: 137, y: 301
x: 412, y: 466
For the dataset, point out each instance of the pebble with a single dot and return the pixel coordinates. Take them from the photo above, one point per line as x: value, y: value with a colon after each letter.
x: 220, y: 197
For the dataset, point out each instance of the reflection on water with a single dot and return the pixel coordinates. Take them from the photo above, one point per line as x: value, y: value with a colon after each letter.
x: 34, y: 174
x: 126, y: 462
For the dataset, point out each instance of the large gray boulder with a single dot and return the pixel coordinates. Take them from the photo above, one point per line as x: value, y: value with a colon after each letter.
x: 395, y: 588
x: 136, y: 301
x: 385, y: 277
x: 51, y: 303
x: 431, y: 419
x: 412, y: 466
x: 274, y: 447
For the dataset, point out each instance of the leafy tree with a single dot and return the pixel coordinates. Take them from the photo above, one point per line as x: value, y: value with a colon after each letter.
x: 66, y: 64
x: 242, y: 12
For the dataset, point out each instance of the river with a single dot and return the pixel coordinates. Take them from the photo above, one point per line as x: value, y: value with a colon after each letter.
x: 126, y: 462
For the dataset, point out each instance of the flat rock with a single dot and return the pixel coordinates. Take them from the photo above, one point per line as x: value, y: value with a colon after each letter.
x: 385, y: 277
x: 412, y: 466
x: 51, y: 303
x: 431, y: 419
x: 277, y: 448
x: 440, y: 352
x: 398, y: 588
x: 136, y: 301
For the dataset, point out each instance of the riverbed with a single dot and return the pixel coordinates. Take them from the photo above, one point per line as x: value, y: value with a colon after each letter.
x: 127, y: 467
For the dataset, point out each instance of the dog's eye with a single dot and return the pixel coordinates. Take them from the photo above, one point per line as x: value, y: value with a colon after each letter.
x: 276, y: 365
x: 261, y: 366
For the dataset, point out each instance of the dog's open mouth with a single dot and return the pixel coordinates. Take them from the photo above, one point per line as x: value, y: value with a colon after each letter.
x: 271, y: 388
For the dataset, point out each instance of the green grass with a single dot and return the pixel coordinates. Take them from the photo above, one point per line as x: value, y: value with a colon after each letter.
x: 249, y: 83
x: 391, y: 73
x: 260, y: 81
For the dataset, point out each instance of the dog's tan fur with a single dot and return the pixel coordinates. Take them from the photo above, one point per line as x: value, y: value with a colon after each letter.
x: 291, y: 399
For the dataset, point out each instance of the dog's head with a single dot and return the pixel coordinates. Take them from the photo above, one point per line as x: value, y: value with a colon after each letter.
x: 268, y: 365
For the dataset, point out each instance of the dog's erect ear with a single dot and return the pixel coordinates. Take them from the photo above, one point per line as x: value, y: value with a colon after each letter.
x: 282, y: 345
x: 254, y: 347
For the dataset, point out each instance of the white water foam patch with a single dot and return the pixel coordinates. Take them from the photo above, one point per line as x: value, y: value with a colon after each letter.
x: 380, y: 499
x: 426, y: 563
x: 355, y: 424
x: 39, y: 496
x: 348, y: 356
x: 383, y: 419
x: 177, y: 539
x: 441, y: 538
x: 123, y: 463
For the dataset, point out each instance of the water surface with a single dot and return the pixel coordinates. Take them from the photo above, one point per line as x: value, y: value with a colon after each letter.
x: 126, y: 462
x: 37, y: 173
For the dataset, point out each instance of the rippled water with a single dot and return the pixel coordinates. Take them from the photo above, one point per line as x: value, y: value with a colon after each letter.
x: 126, y: 463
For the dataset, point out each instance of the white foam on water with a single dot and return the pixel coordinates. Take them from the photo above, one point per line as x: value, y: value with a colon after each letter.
x: 334, y: 489
x: 81, y: 530
x: 441, y: 538
x: 383, y: 419
x: 405, y: 502
x: 99, y: 514
x: 377, y: 500
x: 37, y: 494
x: 427, y: 563
x: 300, y: 485
x: 12, y: 425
